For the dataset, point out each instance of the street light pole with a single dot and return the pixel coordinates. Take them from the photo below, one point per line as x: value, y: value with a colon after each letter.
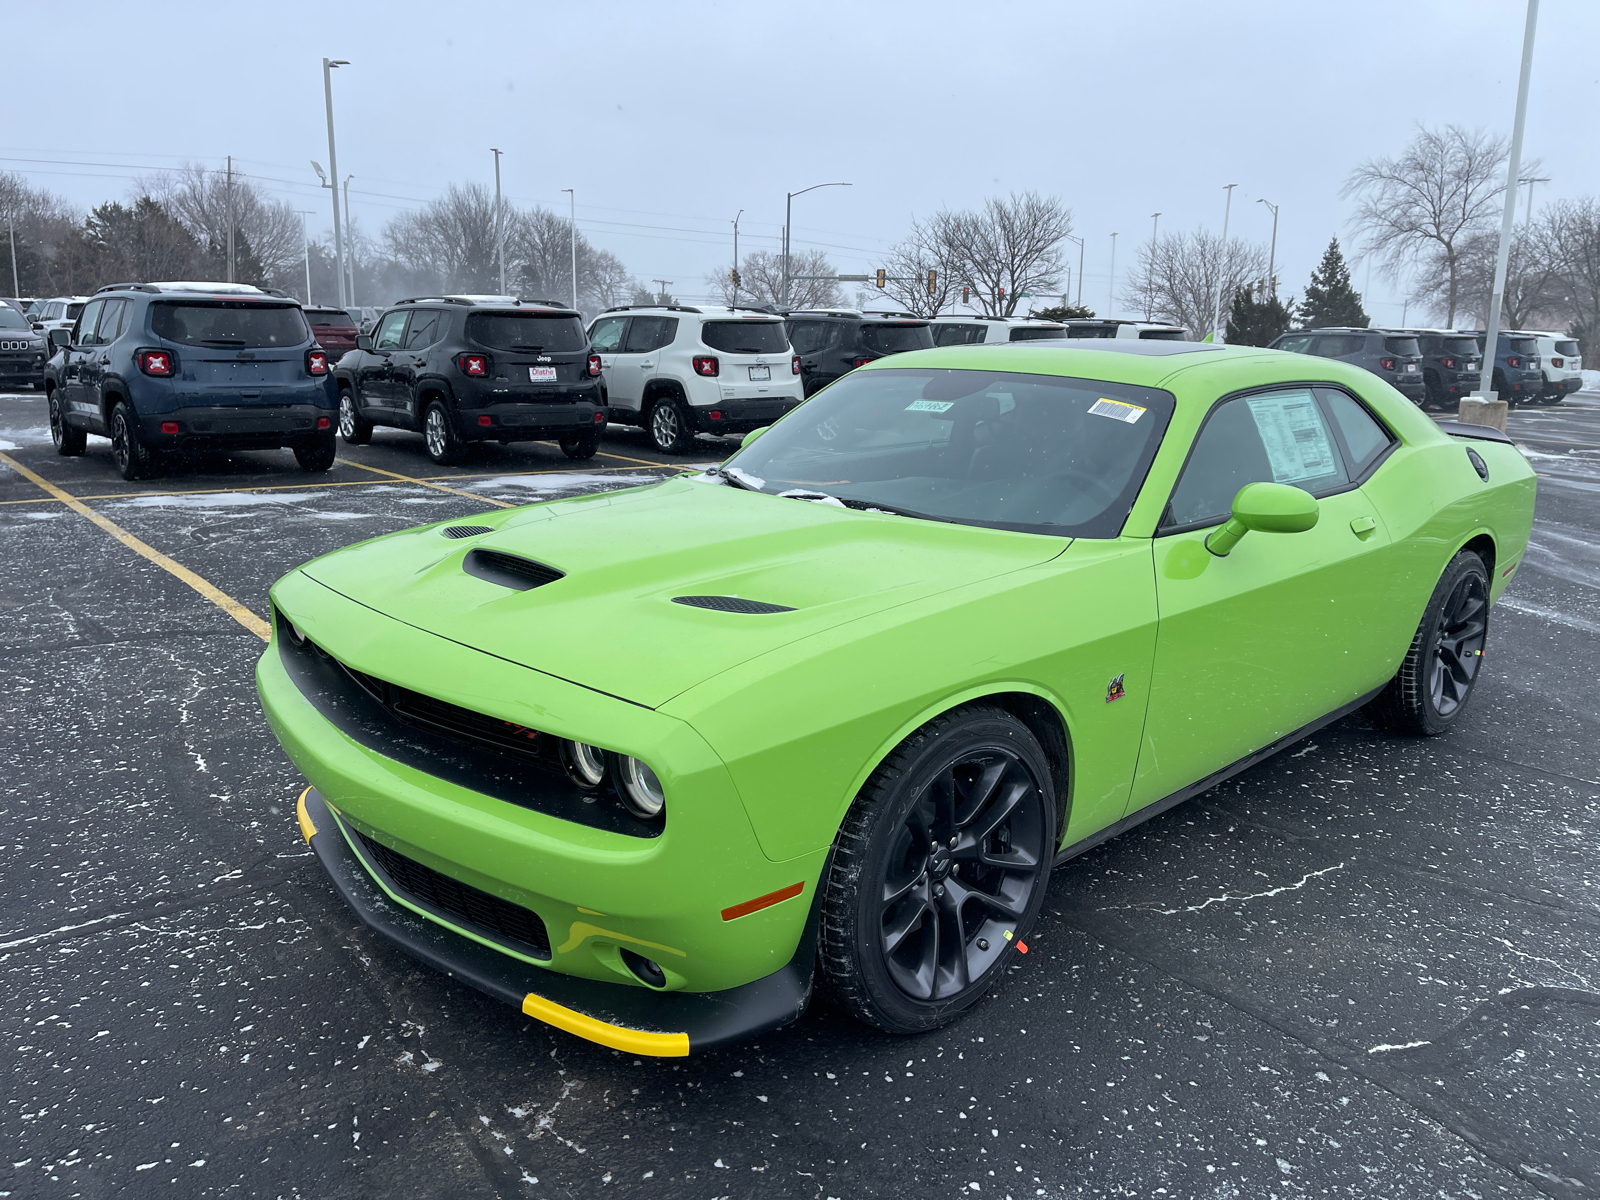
x: 788, y: 206
x: 1222, y: 266
x: 230, y: 218
x: 351, y: 230
x: 305, y: 244
x: 1272, y: 255
x: 572, y: 230
x: 1079, y: 240
x: 499, y: 222
x: 739, y: 214
x: 1507, y: 217
x: 328, y: 64
x: 1530, y: 180
x: 11, y: 226
x: 1111, y: 289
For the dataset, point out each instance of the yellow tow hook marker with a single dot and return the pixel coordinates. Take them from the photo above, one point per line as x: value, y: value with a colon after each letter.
x: 306, y: 827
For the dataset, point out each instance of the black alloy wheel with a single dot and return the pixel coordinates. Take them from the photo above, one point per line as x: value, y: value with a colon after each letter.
x: 581, y: 446
x: 1430, y: 690
x: 69, y: 442
x: 1463, y: 627
x: 351, y: 427
x: 134, y: 459
x: 940, y: 870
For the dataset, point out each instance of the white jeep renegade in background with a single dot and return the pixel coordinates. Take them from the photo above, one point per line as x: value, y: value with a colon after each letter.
x: 677, y: 370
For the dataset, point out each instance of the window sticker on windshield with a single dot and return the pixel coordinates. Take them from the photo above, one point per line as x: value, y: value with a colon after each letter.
x: 930, y: 406
x: 1296, y: 441
x: 1116, y: 410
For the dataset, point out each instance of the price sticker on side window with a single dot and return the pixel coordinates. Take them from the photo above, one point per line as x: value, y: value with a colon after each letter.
x: 1128, y: 414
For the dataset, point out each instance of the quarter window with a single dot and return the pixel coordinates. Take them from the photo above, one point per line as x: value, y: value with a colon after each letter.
x: 1270, y: 437
x: 390, y: 330
x: 605, y: 337
x: 424, y: 329
x: 1294, y: 345
x: 1364, y: 439
x: 808, y: 337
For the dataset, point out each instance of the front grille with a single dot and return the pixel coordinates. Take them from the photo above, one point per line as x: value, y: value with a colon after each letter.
x: 11, y: 345
x: 456, y: 721
x: 467, y: 905
x: 730, y: 604
x: 508, y: 570
x: 461, y: 531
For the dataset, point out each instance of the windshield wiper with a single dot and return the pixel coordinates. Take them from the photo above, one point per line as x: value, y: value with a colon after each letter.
x: 816, y: 497
x: 734, y: 477
x: 222, y: 341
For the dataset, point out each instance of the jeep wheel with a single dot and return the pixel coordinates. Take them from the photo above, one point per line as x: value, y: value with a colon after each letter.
x: 585, y: 445
x: 69, y: 441
x: 317, y: 455
x: 669, y: 428
x: 940, y: 870
x: 351, y: 426
x: 445, y: 446
x: 134, y: 459
x: 1432, y: 687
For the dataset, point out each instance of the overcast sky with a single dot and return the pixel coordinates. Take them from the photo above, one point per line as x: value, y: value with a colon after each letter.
x: 668, y: 119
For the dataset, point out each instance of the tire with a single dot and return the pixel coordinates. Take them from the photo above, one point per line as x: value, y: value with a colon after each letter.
x: 351, y: 426
x: 1432, y: 392
x: 317, y: 455
x: 669, y: 427
x: 581, y: 447
x: 69, y: 442
x: 134, y: 459
x: 444, y: 444
x: 1430, y: 691
x: 893, y: 868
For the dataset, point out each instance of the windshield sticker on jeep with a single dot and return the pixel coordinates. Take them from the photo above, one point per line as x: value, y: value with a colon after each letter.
x: 1116, y: 410
x: 930, y: 406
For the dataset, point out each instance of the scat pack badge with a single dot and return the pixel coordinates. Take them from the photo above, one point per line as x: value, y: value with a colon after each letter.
x: 1114, y: 689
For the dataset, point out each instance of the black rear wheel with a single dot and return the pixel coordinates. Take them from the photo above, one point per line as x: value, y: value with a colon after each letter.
x: 1432, y: 687
x: 69, y: 442
x: 134, y: 459
x: 585, y: 445
x: 318, y: 455
x: 940, y: 869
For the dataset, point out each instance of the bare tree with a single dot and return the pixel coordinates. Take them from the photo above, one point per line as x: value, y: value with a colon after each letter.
x: 761, y: 280
x: 1009, y: 247
x: 450, y: 240
x: 1420, y: 210
x: 48, y: 244
x: 1535, y: 289
x: 907, y: 267
x: 539, y: 257
x: 198, y: 198
x: 1180, y: 276
x: 1575, y: 247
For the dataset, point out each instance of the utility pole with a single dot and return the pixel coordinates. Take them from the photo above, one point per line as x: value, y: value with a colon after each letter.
x: 230, y: 218
x: 572, y: 229
x: 1272, y: 255
x: 305, y: 244
x: 1079, y: 240
x: 1111, y: 288
x: 1530, y: 180
x: 351, y: 230
x: 11, y: 226
x: 788, y: 208
x: 328, y: 65
x: 736, y: 217
x: 661, y: 288
x: 499, y: 222
x: 1149, y: 294
x: 1480, y: 413
x: 1222, y: 267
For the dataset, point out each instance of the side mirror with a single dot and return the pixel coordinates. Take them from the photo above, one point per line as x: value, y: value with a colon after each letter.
x: 363, y: 342
x: 37, y: 327
x: 752, y: 436
x: 60, y: 339
x: 1266, y: 508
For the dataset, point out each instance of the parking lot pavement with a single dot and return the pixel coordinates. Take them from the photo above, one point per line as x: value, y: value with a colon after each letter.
x: 1368, y: 967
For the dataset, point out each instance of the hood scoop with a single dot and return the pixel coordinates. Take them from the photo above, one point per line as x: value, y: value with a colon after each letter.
x: 508, y: 570
x: 730, y: 604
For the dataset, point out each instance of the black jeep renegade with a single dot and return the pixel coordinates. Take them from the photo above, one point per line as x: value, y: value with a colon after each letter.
x: 462, y: 369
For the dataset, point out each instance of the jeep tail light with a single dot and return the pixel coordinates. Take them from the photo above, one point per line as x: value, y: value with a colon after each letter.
x: 317, y: 362
x: 156, y: 362
x: 1448, y: 362
x: 794, y: 365
x: 707, y: 364
x: 1513, y: 361
x: 594, y: 365
x: 475, y: 365
x: 1386, y: 363
x: 859, y: 362
x: 1555, y: 362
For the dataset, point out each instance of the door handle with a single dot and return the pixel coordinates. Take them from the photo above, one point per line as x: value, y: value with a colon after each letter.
x: 105, y: 360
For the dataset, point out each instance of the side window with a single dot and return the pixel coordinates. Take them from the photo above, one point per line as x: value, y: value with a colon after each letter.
x: 1271, y: 437
x: 650, y: 333
x: 83, y: 331
x: 53, y: 310
x: 1364, y: 439
x: 390, y: 329
x: 1339, y: 345
x: 1299, y: 344
x: 605, y: 335
x: 424, y: 329
x: 806, y: 336
x: 110, y: 322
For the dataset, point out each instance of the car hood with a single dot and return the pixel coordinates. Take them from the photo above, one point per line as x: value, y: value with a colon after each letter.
x: 611, y: 623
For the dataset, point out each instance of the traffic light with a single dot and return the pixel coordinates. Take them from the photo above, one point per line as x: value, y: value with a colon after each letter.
x: 733, y: 277
x: 882, y: 275
x: 966, y: 295
x: 933, y: 282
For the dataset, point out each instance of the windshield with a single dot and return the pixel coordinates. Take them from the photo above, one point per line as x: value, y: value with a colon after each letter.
x: 1037, y: 453
x: 879, y: 338
x: 10, y: 318
x: 229, y: 324
x: 745, y: 337
x: 1037, y: 333
x: 526, y: 331
x: 1404, y: 346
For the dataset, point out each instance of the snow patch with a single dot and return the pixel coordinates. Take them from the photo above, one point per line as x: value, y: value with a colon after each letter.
x: 562, y: 481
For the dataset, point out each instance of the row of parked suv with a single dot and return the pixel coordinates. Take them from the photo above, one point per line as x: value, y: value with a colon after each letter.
x: 1436, y: 368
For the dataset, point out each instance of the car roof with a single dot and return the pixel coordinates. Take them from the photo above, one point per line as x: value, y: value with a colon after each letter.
x: 856, y: 314
x: 725, y: 312
x: 954, y: 318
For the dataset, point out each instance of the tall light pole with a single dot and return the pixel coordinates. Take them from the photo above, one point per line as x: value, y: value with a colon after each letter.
x: 572, y: 230
x: 1530, y: 180
x: 305, y: 244
x: 1149, y: 293
x: 1222, y: 266
x: 499, y: 222
x: 1111, y: 288
x: 230, y: 217
x: 1079, y: 240
x: 1513, y: 169
x: 735, y: 276
x: 351, y: 257
x: 328, y: 64
x: 1272, y: 255
x: 11, y: 226
x: 788, y: 204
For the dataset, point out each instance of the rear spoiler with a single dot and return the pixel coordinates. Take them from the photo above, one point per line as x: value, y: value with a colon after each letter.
x: 1481, y: 433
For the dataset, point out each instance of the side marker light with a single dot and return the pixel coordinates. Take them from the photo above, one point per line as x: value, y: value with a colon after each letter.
x: 760, y: 902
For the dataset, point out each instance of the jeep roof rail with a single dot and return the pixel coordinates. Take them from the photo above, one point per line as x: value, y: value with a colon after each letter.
x: 666, y: 307
x: 434, y: 300
x: 128, y: 287
x: 889, y: 312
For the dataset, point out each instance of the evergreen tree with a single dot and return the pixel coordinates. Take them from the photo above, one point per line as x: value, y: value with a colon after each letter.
x: 1062, y: 312
x: 1330, y: 300
x: 1254, y: 321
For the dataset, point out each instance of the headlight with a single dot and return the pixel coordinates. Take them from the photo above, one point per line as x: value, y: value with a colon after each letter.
x: 585, y: 764
x: 640, y: 788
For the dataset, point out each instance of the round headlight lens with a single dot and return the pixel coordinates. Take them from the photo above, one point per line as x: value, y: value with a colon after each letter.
x: 588, y: 765
x: 641, y: 789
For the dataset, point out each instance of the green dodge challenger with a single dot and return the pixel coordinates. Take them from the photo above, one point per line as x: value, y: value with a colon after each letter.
x: 650, y: 763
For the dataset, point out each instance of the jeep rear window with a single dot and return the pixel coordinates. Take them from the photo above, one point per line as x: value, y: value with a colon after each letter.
x: 321, y: 319
x: 226, y: 323
x: 745, y: 337
x: 1467, y: 346
x: 1524, y: 345
x: 526, y: 331
x: 892, y: 339
x: 1567, y: 348
x: 1402, y: 345
x: 1037, y: 333
x: 957, y: 335
x: 1163, y: 335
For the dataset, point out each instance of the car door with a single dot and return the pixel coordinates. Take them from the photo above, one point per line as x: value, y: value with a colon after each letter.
x: 375, y: 384
x: 97, y: 357
x: 605, y: 339
x: 407, y: 364
x: 641, y: 352
x: 78, y: 355
x: 1255, y: 645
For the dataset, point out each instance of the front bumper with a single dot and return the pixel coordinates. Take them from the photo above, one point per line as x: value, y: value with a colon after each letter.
x: 740, y: 416
x: 241, y: 427
x: 631, y: 1019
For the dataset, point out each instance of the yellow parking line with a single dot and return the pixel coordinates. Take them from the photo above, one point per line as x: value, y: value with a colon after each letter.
x: 438, y: 487
x: 218, y: 597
